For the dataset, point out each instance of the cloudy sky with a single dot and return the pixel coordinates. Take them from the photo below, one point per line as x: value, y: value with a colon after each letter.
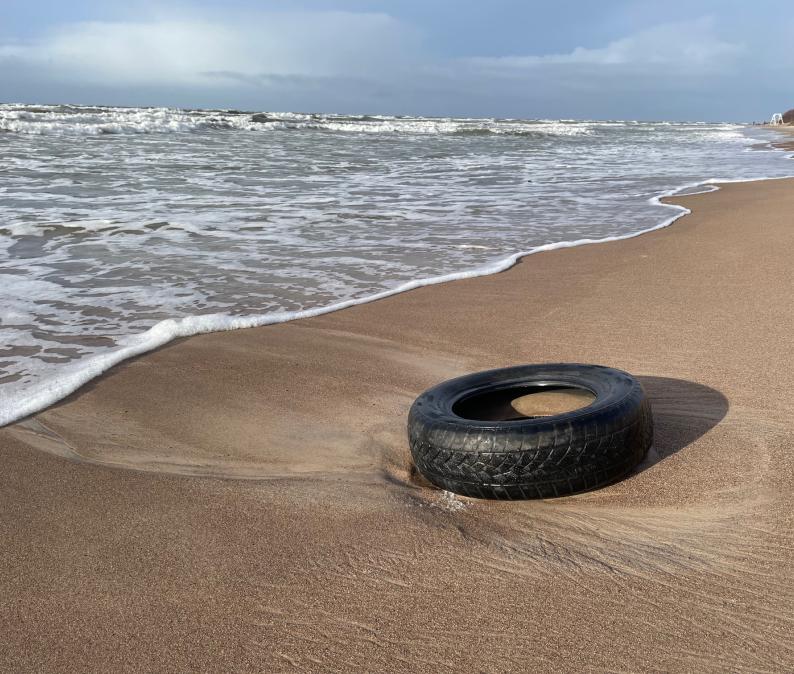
x: 626, y: 59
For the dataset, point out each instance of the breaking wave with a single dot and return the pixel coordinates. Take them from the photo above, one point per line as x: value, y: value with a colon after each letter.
x: 94, y: 121
x: 123, y: 228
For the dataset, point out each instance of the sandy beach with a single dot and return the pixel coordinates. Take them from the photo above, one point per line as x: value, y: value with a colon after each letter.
x: 244, y: 501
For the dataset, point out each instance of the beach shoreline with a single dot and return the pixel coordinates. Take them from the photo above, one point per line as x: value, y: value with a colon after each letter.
x: 30, y: 386
x: 331, y: 553
x: 165, y: 332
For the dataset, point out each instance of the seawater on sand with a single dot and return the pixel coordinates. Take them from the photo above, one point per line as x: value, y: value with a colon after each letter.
x: 123, y: 228
x: 336, y: 558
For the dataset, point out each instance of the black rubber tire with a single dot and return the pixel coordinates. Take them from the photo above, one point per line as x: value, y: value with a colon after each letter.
x: 538, y: 457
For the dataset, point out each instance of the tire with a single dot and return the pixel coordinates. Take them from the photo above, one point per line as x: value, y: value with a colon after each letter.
x: 530, y: 457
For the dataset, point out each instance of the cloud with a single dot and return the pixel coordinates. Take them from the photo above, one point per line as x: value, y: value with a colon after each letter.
x: 349, y: 61
x: 685, y: 47
x: 198, y: 51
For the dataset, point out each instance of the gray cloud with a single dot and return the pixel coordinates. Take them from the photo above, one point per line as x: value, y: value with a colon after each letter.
x: 182, y: 50
x: 372, y: 62
x: 689, y: 47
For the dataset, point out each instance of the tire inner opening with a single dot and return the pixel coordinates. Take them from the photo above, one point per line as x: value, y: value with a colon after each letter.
x: 523, y: 402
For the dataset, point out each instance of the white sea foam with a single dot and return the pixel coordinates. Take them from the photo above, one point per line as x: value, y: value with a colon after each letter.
x: 73, y: 377
x: 114, y: 246
x: 76, y: 120
x: 94, y: 121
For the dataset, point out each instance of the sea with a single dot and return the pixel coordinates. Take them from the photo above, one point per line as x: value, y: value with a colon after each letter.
x: 124, y: 228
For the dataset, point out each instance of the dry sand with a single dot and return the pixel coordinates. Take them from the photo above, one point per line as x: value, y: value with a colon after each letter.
x: 305, y: 544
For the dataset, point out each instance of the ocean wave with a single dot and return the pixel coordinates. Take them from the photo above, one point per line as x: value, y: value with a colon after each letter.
x: 69, y: 120
x: 110, y: 251
x: 92, y: 121
x: 75, y: 375
x: 76, y: 120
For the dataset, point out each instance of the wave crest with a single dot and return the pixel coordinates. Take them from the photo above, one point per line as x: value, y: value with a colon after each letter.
x: 70, y: 120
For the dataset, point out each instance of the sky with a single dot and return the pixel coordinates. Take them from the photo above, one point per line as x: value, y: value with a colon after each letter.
x: 600, y: 59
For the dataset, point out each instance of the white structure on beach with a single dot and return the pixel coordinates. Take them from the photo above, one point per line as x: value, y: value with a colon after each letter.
x: 777, y: 118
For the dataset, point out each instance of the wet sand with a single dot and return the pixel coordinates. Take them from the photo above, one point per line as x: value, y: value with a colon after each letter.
x: 244, y: 501
x: 786, y: 130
